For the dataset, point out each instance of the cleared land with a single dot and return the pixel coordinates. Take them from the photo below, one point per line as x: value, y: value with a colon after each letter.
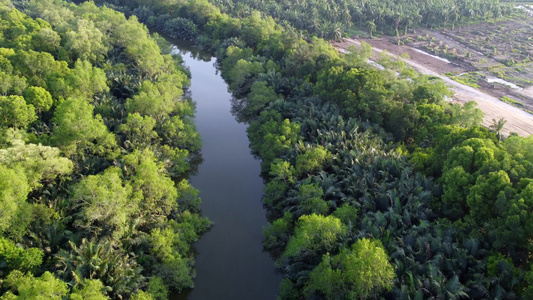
x: 488, y: 51
x: 477, y: 67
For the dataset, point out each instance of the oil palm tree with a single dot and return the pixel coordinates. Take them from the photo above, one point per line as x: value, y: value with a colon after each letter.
x: 100, y: 260
x: 497, y: 127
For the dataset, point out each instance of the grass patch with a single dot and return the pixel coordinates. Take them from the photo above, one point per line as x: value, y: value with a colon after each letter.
x: 352, y: 31
x: 511, y: 101
x: 469, y: 79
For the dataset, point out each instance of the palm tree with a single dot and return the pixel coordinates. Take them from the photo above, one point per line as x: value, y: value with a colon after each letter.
x: 497, y: 126
x: 94, y: 260
x: 371, y: 27
x: 337, y: 30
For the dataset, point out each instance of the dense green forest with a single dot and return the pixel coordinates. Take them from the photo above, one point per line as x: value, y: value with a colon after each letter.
x: 375, y: 185
x: 334, y: 19
x: 96, y: 140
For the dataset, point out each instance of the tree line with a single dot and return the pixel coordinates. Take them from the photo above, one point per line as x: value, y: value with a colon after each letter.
x: 334, y: 19
x: 96, y: 141
x: 375, y: 186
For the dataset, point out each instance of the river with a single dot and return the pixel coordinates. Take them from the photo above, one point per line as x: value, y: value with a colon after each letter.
x: 230, y: 261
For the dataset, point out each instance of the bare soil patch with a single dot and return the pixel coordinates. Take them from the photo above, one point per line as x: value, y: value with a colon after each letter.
x: 503, y: 50
x: 429, y: 62
x: 487, y: 96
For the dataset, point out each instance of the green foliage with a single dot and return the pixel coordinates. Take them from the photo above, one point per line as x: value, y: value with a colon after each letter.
x: 141, y: 295
x: 529, y: 279
x: 40, y: 164
x: 180, y: 28
x: 482, y: 196
x: 40, y: 288
x: 17, y: 258
x: 158, y: 100
x: 93, y: 126
x: 312, y: 160
x: 39, y: 98
x: 187, y: 196
x: 233, y: 54
x: 261, y: 95
x: 78, y: 131
x: 282, y: 170
x: 85, y: 41
x: 467, y: 116
x: 347, y: 214
x: 469, y: 79
x: 242, y: 72
x: 366, y: 184
x: 181, y: 133
x: 361, y: 272
x: 301, y: 96
x: 41, y: 69
x: 494, y: 261
x: 103, y: 203
x: 14, y: 189
x: 139, y: 132
x: 315, y: 233
x: 275, y: 137
x: 170, y: 250
x: 456, y: 183
x: 46, y: 40
x: 287, y: 290
x: 360, y: 92
x: 163, y: 243
x: 157, y: 289
x: 14, y: 112
x: 84, y: 81
x: 256, y: 28
x: 359, y: 57
x: 152, y: 189
x: 431, y: 92
x: 118, y: 272
x: 91, y: 289
x: 311, y: 199
x: 190, y: 226
x: 176, y: 273
x: 278, y: 232
x: 511, y: 101
x: 11, y: 84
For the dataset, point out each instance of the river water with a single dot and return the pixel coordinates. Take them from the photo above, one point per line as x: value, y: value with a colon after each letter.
x: 230, y: 261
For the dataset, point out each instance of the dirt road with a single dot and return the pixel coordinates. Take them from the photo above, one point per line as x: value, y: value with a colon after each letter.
x: 518, y: 120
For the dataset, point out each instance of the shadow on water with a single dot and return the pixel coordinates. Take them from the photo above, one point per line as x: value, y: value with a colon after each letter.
x: 237, y: 106
x: 195, y: 160
x: 187, y: 48
x: 230, y: 261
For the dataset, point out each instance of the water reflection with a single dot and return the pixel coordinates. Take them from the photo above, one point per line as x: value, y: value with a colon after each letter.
x: 230, y: 261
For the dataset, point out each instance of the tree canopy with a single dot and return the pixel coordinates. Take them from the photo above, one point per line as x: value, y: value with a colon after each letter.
x: 95, y: 141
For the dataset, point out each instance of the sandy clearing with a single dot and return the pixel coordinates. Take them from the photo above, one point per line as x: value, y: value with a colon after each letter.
x: 527, y: 91
x: 518, y: 120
